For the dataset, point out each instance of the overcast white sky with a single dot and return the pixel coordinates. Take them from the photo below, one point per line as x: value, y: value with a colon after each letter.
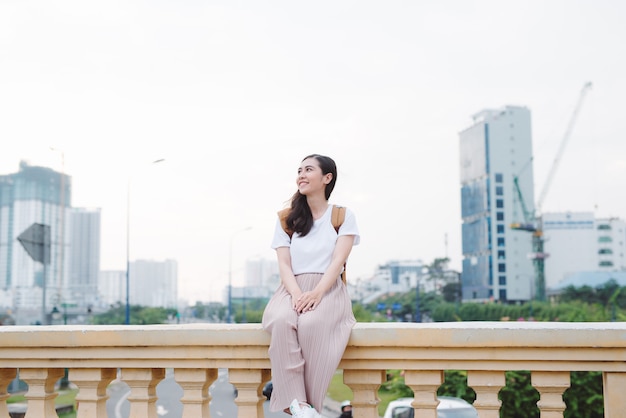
x: 234, y: 93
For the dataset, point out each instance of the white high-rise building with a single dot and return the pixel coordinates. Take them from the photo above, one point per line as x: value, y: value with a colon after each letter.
x: 154, y: 283
x: 260, y: 272
x: 111, y: 287
x: 577, y: 243
x: 570, y: 240
x: 496, y: 177
x: 84, y: 256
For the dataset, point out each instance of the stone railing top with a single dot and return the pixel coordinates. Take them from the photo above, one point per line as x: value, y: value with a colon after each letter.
x: 375, y: 334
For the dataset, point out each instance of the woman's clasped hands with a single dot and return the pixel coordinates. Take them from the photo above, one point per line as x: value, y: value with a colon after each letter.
x: 307, y: 301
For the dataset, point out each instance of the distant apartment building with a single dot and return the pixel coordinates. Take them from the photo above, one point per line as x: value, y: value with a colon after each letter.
x: 34, y: 195
x: 577, y: 242
x: 154, y: 283
x: 261, y: 272
x: 401, y: 275
x: 496, y: 178
x: 84, y: 258
x: 395, y: 276
x: 570, y: 240
x: 111, y: 288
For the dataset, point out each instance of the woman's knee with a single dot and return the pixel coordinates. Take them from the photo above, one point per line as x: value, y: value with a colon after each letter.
x: 279, y: 323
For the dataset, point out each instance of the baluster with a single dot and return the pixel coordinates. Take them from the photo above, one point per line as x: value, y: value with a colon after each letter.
x: 6, y: 377
x: 92, y: 395
x: 487, y: 385
x: 614, y: 390
x: 550, y: 386
x: 143, y: 383
x: 424, y: 384
x: 195, y: 384
x: 364, y: 385
x: 249, y: 384
x: 41, y: 393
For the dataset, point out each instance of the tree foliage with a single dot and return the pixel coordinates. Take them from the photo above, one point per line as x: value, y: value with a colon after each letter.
x: 139, y: 315
x: 519, y: 398
x: 455, y: 384
x: 584, y: 397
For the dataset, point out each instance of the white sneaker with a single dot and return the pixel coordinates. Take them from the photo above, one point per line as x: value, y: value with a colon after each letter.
x: 298, y: 411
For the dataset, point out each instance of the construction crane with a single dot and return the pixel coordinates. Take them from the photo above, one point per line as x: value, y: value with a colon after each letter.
x: 532, y: 219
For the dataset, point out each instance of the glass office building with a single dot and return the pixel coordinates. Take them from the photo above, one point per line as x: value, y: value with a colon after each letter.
x: 495, y: 155
x: 33, y: 195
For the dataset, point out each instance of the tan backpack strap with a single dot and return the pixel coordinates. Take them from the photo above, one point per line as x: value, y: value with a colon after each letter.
x: 337, y: 217
x: 282, y: 215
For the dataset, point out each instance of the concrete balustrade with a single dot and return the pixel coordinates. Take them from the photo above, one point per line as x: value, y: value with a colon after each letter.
x: 486, y: 350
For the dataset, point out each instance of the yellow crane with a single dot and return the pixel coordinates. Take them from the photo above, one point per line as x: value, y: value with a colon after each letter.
x: 532, y: 219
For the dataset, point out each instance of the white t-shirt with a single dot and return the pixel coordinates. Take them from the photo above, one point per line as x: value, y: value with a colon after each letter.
x: 313, y: 252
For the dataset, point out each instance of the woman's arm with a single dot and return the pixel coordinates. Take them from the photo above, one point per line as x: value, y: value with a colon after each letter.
x: 286, y: 273
x: 309, y: 300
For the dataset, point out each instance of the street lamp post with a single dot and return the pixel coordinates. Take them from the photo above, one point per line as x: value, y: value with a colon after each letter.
x: 127, y: 318
x: 418, y: 312
x: 244, y: 318
x: 61, y: 224
x: 229, y: 318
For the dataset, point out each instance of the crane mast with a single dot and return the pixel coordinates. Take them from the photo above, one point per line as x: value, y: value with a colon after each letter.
x: 532, y: 220
x: 564, y: 141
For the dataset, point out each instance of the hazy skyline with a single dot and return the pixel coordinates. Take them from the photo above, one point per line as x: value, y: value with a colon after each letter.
x: 234, y: 94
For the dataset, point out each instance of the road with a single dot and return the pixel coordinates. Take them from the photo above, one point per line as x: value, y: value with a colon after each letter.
x: 169, y: 393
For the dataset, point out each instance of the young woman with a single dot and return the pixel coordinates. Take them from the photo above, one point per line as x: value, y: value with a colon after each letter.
x: 310, y: 315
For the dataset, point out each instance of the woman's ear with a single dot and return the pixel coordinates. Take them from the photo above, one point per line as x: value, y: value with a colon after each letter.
x: 328, y: 177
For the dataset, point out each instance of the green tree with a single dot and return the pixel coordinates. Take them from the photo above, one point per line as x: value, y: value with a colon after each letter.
x: 519, y: 398
x: 436, y: 271
x: 584, y: 397
x: 451, y: 292
x: 455, y: 384
x: 362, y: 314
x: 139, y: 315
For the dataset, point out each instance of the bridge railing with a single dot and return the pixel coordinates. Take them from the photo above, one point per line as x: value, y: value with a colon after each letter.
x: 486, y: 350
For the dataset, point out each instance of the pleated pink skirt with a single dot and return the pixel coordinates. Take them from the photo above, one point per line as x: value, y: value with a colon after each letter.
x: 305, y: 349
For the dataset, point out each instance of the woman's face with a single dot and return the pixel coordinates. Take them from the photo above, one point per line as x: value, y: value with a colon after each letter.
x: 310, y: 178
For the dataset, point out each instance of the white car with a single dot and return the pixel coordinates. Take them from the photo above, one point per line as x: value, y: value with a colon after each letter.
x: 448, y: 407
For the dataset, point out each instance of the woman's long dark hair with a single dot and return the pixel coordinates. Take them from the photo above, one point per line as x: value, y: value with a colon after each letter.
x: 300, y: 218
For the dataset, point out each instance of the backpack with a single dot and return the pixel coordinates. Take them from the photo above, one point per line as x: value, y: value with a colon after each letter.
x: 337, y: 217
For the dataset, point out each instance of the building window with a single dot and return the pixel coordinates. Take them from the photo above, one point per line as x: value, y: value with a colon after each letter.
x: 501, y: 255
x: 606, y: 264
x: 501, y: 268
x: 499, y: 190
x: 503, y: 294
x: 605, y: 239
x: 502, y: 280
x: 500, y: 242
x: 498, y: 177
x: 500, y: 229
x: 605, y: 251
x: 499, y: 203
x: 499, y: 216
x: 604, y: 227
